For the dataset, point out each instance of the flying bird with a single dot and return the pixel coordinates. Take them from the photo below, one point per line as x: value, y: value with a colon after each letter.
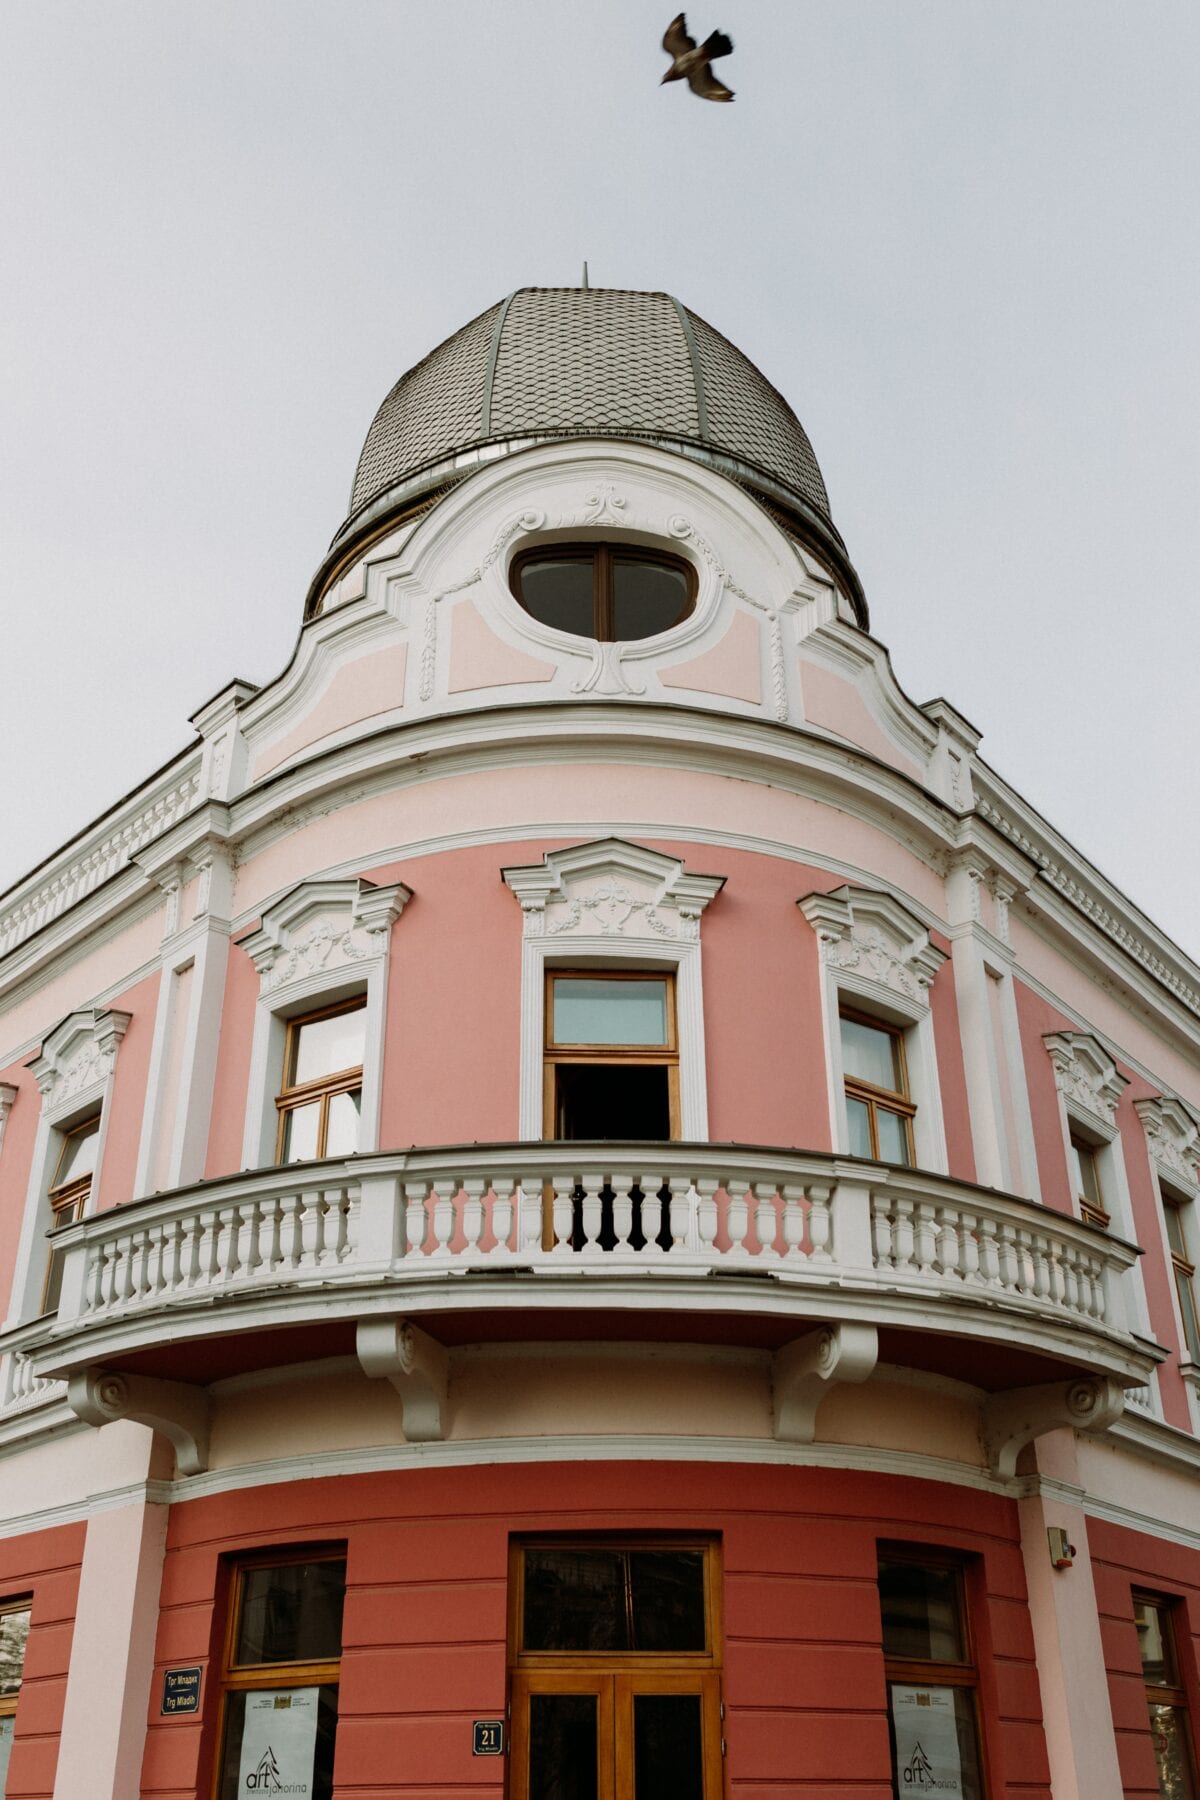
x: 690, y: 62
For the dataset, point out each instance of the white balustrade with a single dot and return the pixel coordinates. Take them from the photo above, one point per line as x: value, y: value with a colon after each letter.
x: 671, y: 1211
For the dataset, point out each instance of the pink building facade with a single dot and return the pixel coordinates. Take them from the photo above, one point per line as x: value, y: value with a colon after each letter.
x: 590, y: 1204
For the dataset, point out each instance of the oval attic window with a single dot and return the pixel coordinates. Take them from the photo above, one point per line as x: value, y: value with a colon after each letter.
x: 605, y: 591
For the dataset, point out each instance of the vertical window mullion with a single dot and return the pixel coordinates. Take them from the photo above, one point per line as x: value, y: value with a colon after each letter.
x: 602, y: 591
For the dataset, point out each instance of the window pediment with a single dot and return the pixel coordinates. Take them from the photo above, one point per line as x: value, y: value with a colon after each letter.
x: 1085, y: 1074
x: 611, y: 889
x: 1172, y: 1137
x: 320, y: 927
x: 873, y: 942
x: 77, y: 1057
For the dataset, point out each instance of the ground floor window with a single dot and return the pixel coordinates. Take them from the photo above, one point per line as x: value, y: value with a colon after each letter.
x: 932, y: 1679
x: 14, y: 1635
x: 280, y: 1676
x: 1165, y: 1695
x: 614, y: 1647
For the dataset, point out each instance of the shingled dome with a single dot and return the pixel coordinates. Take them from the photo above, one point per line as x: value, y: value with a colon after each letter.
x: 551, y: 363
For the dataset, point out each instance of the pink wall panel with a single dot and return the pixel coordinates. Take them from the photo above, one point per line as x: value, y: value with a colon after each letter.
x: 1157, y: 1274
x: 127, y: 1099
x: 943, y: 1002
x: 425, y: 1622
x: 233, y: 1066
x: 44, y: 1565
x: 16, y: 1156
x: 1036, y: 1017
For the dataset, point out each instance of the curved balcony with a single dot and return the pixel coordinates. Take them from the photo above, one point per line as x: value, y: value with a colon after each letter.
x: 705, y: 1242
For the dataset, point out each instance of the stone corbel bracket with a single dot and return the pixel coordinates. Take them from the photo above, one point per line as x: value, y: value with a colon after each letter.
x: 418, y: 1368
x: 178, y: 1410
x: 1013, y: 1419
x: 805, y: 1371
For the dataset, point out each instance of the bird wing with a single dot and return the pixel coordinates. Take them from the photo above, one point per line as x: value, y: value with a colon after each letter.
x: 716, y: 44
x: 676, y: 41
x: 702, y: 81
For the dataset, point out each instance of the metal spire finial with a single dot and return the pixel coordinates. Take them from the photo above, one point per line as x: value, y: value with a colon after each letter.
x: 585, y: 279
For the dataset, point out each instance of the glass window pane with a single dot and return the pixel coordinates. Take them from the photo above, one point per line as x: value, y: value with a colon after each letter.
x: 6, y: 1738
x: 1174, y: 1218
x: 575, y: 1600
x: 667, y: 1747
x: 935, y: 1743
x: 563, y: 1750
x: 1086, y: 1172
x: 14, y: 1635
x: 344, y: 1111
x: 1168, y: 1726
x: 78, y: 1155
x: 269, y: 1735
x: 1187, y: 1307
x: 291, y: 1612
x: 859, y: 1119
x: 1154, y: 1642
x: 300, y: 1127
x: 869, y: 1053
x: 329, y: 1046
x: 647, y: 597
x: 558, y: 592
x: 609, y: 1012
x: 668, y: 1599
x: 920, y: 1607
x: 893, y: 1137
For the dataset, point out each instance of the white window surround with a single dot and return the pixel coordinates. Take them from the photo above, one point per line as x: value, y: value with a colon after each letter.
x: 322, y: 942
x: 74, y: 1072
x: 606, y: 905
x: 1173, y: 1141
x: 877, y: 956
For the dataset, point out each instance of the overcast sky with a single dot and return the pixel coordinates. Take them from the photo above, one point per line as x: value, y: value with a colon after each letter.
x: 959, y: 235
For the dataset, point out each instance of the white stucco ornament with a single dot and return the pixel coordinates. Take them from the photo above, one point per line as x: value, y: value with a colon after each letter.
x: 612, y: 889
x: 870, y: 937
x: 1085, y: 1074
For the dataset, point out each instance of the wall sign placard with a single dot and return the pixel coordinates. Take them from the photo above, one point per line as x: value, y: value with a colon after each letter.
x: 487, y: 1737
x: 181, y: 1690
x: 928, y: 1759
x: 279, y: 1742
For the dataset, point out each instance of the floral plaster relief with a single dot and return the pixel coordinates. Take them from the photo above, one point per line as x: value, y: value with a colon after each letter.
x: 732, y: 667
x: 836, y: 706
x: 360, y: 690
x: 480, y: 659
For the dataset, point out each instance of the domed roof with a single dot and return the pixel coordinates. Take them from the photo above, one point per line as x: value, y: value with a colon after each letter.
x: 550, y: 363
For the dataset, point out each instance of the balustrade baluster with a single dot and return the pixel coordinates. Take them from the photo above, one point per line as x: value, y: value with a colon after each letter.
x: 530, y: 1216
x: 1043, y: 1272
x: 251, y: 1217
x: 737, y: 1221
x: 291, y: 1232
x: 127, y: 1252
x: 563, y: 1214
x: 94, y: 1286
x: 968, y: 1248
x: 591, y: 1210
x: 949, y: 1245
x: 1070, y: 1280
x: 652, y: 1212
x: 682, y: 1201
x: 270, y: 1247
x: 230, y: 1238
x: 903, y: 1236
x: 766, y: 1221
x: 472, y: 1214
x: 989, y: 1253
x: 792, y: 1223
x: 416, y: 1216
x: 706, y: 1213
x: 443, y: 1217
x: 623, y: 1189
x: 108, y: 1276
x: 925, y: 1238
x: 884, y: 1230
x: 139, y: 1265
x: 505, y: 1207
x: 820, y: 1221
x: 1099, y: 1291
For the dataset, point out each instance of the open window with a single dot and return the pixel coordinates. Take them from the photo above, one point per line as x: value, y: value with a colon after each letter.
x: 879, y: 1111
x: 611, y: 1055
x: 279, y: 1681
x: 70, y: 1188
x: 1086, y: 1161
x: 320, y: 1103
x: 932, y: 1676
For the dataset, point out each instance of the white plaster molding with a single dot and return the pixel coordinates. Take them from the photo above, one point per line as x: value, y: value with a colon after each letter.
x: 178, y: 1410
x: 872, y: 941
x: 1173, y: 1139
x: 613, y: 902
x: 77, y: 1057
x: 1086, y: 1076
x: 417, y: 1366
x: 218, y: 721
x: 1014, y: 1418
x: 323, y: 939
x: 8, y: 1097
x: 804, y: 1372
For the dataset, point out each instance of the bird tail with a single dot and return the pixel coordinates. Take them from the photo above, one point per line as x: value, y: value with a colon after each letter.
x: 717, y: 44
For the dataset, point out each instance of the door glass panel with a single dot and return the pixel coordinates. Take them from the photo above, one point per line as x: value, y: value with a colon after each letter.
x: 667, y: 1747
x: 668, y: 1600
x: 610, y: 1012
x: 563, y: 1751
x: 1171, y: 1752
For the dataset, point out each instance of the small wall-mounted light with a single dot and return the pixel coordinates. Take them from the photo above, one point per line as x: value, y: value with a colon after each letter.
x: 1062, y: 1550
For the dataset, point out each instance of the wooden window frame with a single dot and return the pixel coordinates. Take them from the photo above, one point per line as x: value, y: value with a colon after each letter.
x: 1183, y: 1269
x: 912, y: 1672
x: 557, y: 1055
x: 603, y: 555
x: 253, y: 1677
x: 1174, y: 1695
x: 709, y: 1658
x: 877, y: 1099
x: 322, y: 1087
x: 1092, y: 1212
x: 68, y: 1199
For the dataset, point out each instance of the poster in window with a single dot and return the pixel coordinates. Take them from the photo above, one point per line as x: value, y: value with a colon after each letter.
x: 6, y: 1738
x: 928, y: 1758
x: 279, y: 1742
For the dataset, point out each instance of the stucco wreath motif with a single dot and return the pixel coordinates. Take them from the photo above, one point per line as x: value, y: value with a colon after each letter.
x: 609, y: 908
